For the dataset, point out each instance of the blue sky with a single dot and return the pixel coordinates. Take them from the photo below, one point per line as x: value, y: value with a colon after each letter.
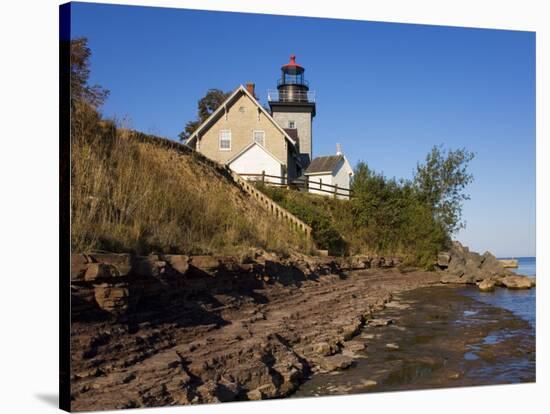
x: 387, y: 92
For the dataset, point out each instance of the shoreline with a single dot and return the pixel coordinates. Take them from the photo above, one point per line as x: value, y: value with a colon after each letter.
x: 452, y: 338
x: 243, y: 332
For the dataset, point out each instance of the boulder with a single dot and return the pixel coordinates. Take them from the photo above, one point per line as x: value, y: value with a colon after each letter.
x: 114, y: 298
x: 359, y: 262
x: 205, y: 263
x: 468, y: 267
x: 486, y: 285
x: 473, y: 260
x: 472, y: 275
x: 443, y: 259
x: 336, y: 362
x: 79, y: 264
x: 262, y: 392
x: 491, y: 265
x: 178, y: 262
x: 323, y: 349
x: 517, y: 282
x: 99, y: 271
x: 121, y: 261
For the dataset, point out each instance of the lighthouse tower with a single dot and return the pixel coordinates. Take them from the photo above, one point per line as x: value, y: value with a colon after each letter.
x: 293, y: 107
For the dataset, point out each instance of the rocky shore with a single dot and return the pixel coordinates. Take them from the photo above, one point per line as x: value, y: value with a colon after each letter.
x: 168, y: 330
x: 461, y: 266
x: 164, y: 330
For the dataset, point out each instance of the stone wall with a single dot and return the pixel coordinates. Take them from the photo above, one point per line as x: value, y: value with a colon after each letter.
x: 117, y: 283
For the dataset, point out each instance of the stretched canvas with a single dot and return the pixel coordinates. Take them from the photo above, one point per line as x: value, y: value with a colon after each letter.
x: 258, y: 206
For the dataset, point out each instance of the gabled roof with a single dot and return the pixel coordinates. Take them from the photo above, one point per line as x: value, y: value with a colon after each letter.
x: 325, y: 164
x: 245, y: 149
x: 235, y: 95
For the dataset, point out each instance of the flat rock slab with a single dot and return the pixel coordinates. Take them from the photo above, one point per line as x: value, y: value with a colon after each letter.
x: 379, y: 322
x: 336, y: 362
x: 517, y: 282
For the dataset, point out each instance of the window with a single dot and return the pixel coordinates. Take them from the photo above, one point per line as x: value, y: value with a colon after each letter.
x: 292, y: 124
x: 259, y: 137
x: 225, y: 140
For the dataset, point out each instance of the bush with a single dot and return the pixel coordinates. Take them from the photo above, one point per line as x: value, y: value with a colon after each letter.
x: 386, y: 217
x: 312, y: 210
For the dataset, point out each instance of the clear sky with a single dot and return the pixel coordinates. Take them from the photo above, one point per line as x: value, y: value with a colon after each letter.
x: 387, y: 92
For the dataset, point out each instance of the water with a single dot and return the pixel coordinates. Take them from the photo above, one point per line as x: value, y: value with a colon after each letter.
x: 459, y: 337
x: 521, y: 302
x: 526, y: 266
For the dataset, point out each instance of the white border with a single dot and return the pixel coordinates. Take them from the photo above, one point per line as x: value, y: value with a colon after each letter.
x: 29, y: 223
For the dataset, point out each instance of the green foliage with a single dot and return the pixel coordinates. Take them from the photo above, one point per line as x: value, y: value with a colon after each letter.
x: 205, y: 107
x: 393, y: 219
x: 81, y: 91
x: 387, y: 216
x: 440, y: 183
x: 312, y: 210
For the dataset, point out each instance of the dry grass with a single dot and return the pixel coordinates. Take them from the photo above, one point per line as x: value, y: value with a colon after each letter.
x: 133, y: 196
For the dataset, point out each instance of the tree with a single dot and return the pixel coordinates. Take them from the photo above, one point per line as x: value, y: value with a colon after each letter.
x: 206, y: 106
x: 440, y: 183
x: 81, y: 91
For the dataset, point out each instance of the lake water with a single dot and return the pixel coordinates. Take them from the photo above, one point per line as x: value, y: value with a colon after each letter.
x: 459, y: 337
x: 527, y: 266
x: 521, y: 302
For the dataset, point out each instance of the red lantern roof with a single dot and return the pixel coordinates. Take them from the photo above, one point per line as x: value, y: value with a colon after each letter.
x: 292, y: 63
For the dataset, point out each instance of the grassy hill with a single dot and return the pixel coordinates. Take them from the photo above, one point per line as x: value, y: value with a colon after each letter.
x: 131, y: 192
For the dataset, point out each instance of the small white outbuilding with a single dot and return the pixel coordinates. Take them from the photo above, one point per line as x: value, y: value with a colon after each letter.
x: 255, y: 158
x: 330, y: 175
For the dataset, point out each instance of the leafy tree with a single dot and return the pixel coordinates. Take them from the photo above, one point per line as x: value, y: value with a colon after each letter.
x: 81, y: 91
x: 206, y: 105
x: 440, y: 183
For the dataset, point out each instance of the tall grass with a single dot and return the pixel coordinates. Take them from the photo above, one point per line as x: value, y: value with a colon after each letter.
x: 128, y: 195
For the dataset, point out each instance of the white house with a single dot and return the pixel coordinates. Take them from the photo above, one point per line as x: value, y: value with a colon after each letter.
x: 330, y: 175
x: 257, y: 158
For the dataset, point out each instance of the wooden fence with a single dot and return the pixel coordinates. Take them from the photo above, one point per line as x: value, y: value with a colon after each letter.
x: 298, y: 184
x: 271, y: 206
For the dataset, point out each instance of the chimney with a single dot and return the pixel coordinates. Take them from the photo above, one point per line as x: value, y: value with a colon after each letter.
x: 250, y: 88
x: 338, y: 149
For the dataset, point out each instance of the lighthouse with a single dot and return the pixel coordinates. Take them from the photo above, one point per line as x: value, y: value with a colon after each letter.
x: 293, y: 107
